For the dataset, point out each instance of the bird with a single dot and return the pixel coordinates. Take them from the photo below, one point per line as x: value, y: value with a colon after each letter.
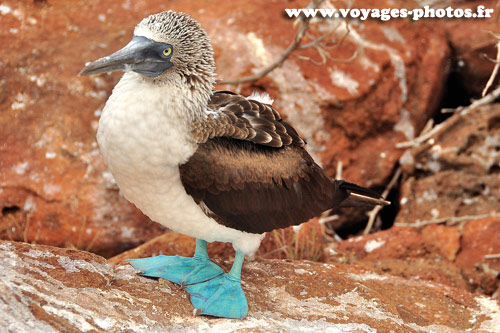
x: 213, y: 165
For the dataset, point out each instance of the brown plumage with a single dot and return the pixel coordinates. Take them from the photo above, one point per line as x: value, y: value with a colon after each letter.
x: 240, y: 118
x: 252, y: 173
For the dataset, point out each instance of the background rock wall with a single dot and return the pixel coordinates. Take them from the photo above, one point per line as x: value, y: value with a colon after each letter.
x: 54, y: 188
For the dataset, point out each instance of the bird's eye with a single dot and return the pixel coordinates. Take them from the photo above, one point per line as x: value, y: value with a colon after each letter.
x: 168, y: 51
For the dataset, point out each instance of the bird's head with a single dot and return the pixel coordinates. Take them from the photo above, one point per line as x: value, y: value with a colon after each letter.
x: 166, y: 46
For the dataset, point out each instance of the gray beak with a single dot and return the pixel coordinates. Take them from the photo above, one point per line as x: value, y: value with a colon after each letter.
x: 141, y: 55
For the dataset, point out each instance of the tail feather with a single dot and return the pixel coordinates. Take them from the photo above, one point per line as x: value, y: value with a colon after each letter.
x: 357, y: 196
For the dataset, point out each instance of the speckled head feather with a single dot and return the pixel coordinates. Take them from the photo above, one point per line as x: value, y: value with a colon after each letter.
x: 193, y: 56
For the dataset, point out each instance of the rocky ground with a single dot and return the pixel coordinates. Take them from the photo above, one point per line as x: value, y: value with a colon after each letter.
x: 431, y: 261
x: 49, y: 289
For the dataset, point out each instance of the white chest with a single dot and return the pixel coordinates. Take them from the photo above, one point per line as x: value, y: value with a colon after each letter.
x: 139, y: 134
x: 143, y: 142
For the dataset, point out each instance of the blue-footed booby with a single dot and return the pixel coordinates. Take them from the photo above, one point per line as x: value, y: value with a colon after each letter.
x: 213, y: 165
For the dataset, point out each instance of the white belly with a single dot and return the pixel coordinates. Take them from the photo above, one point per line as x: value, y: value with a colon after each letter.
x: 143, y: 144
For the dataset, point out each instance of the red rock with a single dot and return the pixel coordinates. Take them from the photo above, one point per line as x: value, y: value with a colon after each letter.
x: 446, y: 239
x: 404, y: 252
x: 455, y: 180
x: 435, y: 253
x: 39, y: 284
x: 480, y: 238
x: 456, y: 175
x: 51, y: 170
x: 397, y: 242
x: 472, y: 43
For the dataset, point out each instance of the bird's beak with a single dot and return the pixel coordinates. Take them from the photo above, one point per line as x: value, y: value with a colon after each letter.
x: 139, y: 56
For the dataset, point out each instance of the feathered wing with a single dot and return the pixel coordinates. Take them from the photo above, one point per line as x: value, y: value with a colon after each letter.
x: 251, y: 171
x: 237, y: 117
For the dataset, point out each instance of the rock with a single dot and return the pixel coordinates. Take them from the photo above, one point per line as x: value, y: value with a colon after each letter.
x: 453, y: 256
x: 453, y: 179
x: 406, y: 252
x: 480, y: 238
x: 456, y: 175
x: 446, y: 239
x: 39, y: 285
x: 472, y: 42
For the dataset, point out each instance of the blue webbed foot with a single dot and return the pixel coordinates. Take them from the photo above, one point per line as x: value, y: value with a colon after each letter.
x: 212, y: 292
x: 220, y: 297
x: 180, y: 270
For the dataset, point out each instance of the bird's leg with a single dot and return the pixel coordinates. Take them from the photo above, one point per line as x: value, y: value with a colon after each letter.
x: 181, y: 270
x: 221, y: 296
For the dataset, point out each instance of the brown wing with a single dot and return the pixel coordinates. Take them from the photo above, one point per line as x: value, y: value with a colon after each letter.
x: 255, y: 188
x: 237, y: 117
x: 251, y: 172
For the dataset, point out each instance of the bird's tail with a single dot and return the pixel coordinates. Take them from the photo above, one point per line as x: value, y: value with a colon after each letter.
x: 356, y: 196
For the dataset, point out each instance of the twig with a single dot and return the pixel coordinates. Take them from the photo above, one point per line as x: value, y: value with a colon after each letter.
x: 278, y: 62
x: 316, y: 43
x: 92, y: 241
x: 280, y: 249
x: 338, y: 174
x: 328, y: 218
x: 317, y: 40
x: 422, y: 138
x: 37, y: 236
x: 374, y: 212
x: 492, y: 256
x: 495, y: 69
x: 451, y: 220
x: 26, y: 227
x: 80, y: 233
x: 304, y: 25
x: 491, y: 97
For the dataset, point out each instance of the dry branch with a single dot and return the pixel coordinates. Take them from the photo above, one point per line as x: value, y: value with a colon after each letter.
x: 438, y: 129
x: 451, y: 220
x: 304, y: 25
x: 374, y: 212
x: 319, y: 44
x: 293, y: 46
x: 495, y: 69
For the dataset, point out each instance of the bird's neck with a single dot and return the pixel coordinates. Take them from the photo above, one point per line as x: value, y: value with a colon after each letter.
x: 181, y: 99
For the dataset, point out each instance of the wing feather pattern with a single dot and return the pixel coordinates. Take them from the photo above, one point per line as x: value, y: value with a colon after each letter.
x: 236, y: 117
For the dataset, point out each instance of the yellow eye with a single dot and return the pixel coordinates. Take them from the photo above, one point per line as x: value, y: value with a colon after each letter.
x: 167, y: 51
